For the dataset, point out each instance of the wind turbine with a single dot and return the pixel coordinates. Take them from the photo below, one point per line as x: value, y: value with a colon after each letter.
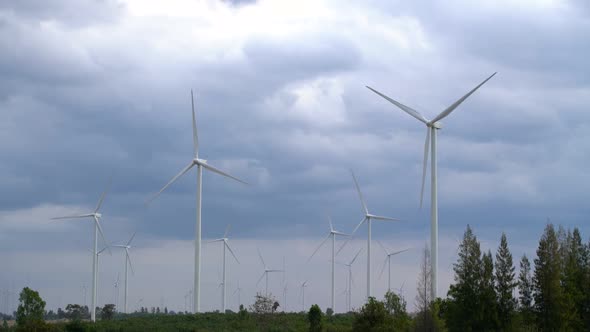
x: 388, y: 262
x: 302, y: 292
x: 331, y: 234
x: 200, y: 163
x: 239, y: 292
x: 368, y: 217
x: 116, y: 292
x: 127, y: 263
x: 265, y: 273
x: 349, y: 265
x: 97, y: 229
x: 97, y: 266
x: 224, y: 239
x: 431, y: 127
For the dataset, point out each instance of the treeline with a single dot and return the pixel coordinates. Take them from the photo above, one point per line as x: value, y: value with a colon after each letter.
x: 550, y: 294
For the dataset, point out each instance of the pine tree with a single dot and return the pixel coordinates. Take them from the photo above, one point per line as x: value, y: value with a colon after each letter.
x: 488, y: 305
x: 574, y: 279
x: 505, y: 284
x: 525, y: 290
x: 464, y: 310
x: 548, y: 293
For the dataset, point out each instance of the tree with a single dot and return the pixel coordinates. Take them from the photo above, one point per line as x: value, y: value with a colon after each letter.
x: 372, y: 317
x: 423, y: 296
x: 74, y: 311
x: 505, y: 284
x: 525, y: 291
x: 314, y: 317
x: 396, y: 306
x: 548, y: 294
x: 489, y: 306
x: 275, y: 306
x: 575, y: 279
x: 262, y: 304
x: 29, y: 314
x: 107, y: 312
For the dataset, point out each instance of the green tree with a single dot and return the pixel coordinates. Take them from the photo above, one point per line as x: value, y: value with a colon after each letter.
x: 107, y: 312
x: 548, y: 294
x: 424, y: 318
x: 29, y: 314
x: 372, y: 317
x: 396, y: 306
x: 488, y: 304
x: 505, y: 284
x: 314, y: 317
x: 74, y: 312
x: 464, y: 310
x: 575, y: 280
x: 525, y: 291
x: 262, y: 304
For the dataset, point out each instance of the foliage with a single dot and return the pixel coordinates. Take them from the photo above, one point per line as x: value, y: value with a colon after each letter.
x: 395, y: 305
x: 373, y: 317
x: 30, y: 311
x: 329, y: 312
x: 108, y: 312
x: 314, y: 317
x: 262, y: 304
x: 505, y: 284
x: 525, y: 290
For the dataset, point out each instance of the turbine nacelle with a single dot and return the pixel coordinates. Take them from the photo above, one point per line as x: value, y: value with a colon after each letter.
x: 199, y: 161
x: 436, y: 125
x: 98, y: 215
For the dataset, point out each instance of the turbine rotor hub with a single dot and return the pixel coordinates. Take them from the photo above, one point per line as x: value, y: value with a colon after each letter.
x: 98, y: 215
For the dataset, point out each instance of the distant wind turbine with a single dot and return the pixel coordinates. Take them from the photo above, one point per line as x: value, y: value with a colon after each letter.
x: 224, y: 239
x: 302, y: 292
x: 368, y: 218
x: 350, y: 281
x: 333, y: 233
x: 387, y: 262
x: 265, y: 273
x: 431, y: 127
x: 127, y: 263
x: 97, y: 229
x: 239, y: 292
x: 200, y: 163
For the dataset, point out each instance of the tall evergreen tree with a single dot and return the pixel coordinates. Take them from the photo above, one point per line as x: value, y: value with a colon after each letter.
x: 505, y: 284
x: 525, y: 290
x: 464, y: 305
x: 574, y: 279
x: 488, y: 305
x: 548, y: 293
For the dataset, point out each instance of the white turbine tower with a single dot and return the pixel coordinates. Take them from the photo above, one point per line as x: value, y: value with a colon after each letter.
x: 302, y: 292
x: 127, y: 264
x: 97, y: 229
x: 239, y: 292
x: 224, y: 239
x: 331, y: 234
x: 431, y: 127
x: 349, y: 265
x: 388, y: 262
x: 368, y: 217
x: 200, y: 163
x: 265, y: 273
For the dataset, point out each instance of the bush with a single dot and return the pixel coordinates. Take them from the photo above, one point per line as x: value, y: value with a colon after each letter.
x: 373, y: 317
x: 314, y: 316
x: 30, y: 311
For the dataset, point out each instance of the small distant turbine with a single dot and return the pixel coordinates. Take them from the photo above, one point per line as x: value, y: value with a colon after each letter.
x: 265, y: 273
x: 127, y: 263
x: 224, y: 239
x: 333, y: 233
x: 388, y: 262
x: 350, y: 281
x: 97, y: 229
x: 302, y: 292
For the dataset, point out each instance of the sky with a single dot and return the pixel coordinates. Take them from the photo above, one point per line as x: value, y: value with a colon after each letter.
x: 95, y: 90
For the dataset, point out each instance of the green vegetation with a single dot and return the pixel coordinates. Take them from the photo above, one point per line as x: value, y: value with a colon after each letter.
x: 553, y: 295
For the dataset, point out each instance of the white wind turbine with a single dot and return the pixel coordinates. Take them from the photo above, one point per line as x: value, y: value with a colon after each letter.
x: 127, y: 263
x: 368, y: 217
x: 200, y: 163
x: 97, y: 229
x: 349, y: 265
x: 333, y: 233
x: 239, y: 292
x: 302, y: 292
x: 431, y: 127
x: 97, y: 266
x: 224, y: 239
x: 388, y: 262
x: 265, y: 273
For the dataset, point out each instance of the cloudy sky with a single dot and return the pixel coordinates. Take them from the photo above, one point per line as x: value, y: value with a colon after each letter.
x: 95, y: 89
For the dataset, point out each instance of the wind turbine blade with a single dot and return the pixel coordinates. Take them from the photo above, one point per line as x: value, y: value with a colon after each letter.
x: 330, y: 222
x: 340, y: 233
x: 73, y: 217
x: 355, y: 256
x: 382, y: 246
x: 182, y: 172
x: 382, y: 218
x: 226, y: 230
x: 129, y: 260
x: 231, y: 251
x: 195, y: 136
x: 360, y: 194
x: 261, y: 259
x: 424, y: 165
x: 262, y: 276
x: 101, y: 233
x: 131, y: 239
x: 451, y: 108
x: 359, y: 225
x: 118, y: 246
x: 403, y: 107
x: 399, y: 252
x: 383, y: 268
x: 215, y: 170
x: 318, y: 248
x: 104, y: 193
x: 275, y: 271
x: 216, y: 240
